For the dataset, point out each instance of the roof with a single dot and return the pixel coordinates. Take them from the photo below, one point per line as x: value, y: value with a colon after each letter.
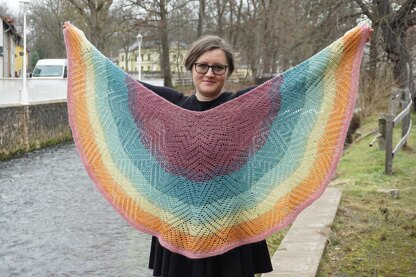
x: 8, y: 24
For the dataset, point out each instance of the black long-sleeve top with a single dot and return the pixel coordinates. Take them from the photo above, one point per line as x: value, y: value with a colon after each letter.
x: 243, y: 261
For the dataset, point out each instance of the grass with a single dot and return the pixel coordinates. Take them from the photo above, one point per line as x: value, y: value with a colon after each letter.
x: 374, y: 234
x: 274, y: 241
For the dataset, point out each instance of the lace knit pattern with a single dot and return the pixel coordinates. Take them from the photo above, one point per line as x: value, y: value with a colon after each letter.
x: 207, y: 182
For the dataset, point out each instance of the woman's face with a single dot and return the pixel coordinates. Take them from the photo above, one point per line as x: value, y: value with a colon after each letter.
x: 209, y: 85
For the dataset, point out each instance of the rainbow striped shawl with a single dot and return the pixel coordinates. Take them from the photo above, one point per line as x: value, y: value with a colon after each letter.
x: 207, y: 182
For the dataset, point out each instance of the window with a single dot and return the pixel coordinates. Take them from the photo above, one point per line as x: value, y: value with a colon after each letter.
x: 48, y: 71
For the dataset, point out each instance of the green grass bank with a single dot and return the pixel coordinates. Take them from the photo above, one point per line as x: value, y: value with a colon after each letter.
x: 374, y: 234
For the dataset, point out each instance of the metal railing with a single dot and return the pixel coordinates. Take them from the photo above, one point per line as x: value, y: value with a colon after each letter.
x: 400, y: 101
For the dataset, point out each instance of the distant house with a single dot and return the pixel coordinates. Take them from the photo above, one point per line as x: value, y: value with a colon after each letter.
x: 150, y: 57
x: 18, y: 60
x: 151, y: 64
x: 9, y: 38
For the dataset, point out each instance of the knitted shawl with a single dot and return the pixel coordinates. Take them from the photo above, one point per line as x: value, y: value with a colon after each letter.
x: 207, y: 182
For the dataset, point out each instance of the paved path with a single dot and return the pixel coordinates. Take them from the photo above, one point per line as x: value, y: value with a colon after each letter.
x: 301, y: 250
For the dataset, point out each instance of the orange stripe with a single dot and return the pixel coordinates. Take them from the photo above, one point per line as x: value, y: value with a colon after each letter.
x: 332, y: 135
x: 89, y: 148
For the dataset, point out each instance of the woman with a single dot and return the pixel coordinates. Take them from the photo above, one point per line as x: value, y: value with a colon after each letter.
x: 211, y: 62
x: 135, y: 149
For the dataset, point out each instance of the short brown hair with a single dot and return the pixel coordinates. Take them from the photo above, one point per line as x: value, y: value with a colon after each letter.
x: 208, y: 43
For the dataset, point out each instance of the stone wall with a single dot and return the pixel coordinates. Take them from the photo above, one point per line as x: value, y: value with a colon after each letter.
x: 24, y: 128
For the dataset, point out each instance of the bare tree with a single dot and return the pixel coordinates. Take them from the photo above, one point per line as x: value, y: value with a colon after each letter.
x: 221, y: 8
x: 47, y: 17
x: 250, y: 36
x: 97, y: 16
x: 393, y: 25
x: 201, y: 18
x: 235, y: 23
x: 5, y: 10
x: 126, y: 29
x: 157, y: 13
x: 167, y: 74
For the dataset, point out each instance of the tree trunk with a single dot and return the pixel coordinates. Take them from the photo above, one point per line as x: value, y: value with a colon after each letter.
x: 394, y: 25
x: 371, y: 88
x: 394, y: 35
x: 201, y: 18
x: 220, y: 11
x: 127, y: 60
x: 166, y: 72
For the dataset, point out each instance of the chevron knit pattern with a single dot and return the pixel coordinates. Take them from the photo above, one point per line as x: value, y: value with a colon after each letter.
x: 207, y: 182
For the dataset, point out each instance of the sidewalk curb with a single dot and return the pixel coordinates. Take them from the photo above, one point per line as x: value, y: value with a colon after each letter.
x: 301, y: 249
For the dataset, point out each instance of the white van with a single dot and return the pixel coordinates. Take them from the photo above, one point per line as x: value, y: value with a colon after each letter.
x: 50, y: 68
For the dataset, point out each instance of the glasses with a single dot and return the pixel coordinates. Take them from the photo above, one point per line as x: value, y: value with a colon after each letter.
x: 217, y: 69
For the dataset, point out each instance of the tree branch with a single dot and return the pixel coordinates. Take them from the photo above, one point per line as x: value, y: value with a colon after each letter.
x: 404, y: 10
x: 410, y: 20
x: 365, y: 10
x: 77, y: 7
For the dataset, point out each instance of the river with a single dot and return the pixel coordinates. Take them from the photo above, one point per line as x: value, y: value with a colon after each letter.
x: 54, y: 222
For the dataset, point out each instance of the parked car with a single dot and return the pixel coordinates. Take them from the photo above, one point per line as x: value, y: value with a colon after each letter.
x: 50, y: 68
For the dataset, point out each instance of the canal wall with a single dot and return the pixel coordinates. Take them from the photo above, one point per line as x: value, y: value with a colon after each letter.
x: 27, y: 127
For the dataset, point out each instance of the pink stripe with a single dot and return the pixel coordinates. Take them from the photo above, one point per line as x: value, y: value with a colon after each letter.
x: 190, y: 144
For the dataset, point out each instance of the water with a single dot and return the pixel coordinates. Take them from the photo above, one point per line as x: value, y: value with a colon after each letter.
x: 54, y: 222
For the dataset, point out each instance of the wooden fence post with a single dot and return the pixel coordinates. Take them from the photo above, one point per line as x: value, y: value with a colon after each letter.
x: 395, y: 97
x: 389, y: 143
x: 406, y: 120
x: 382, y: 132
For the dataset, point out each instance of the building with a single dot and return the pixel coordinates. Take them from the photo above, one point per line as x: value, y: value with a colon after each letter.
x: 150, y: 56
x: 9, y: 38
x: 18, y: 60
x: 151, y: 65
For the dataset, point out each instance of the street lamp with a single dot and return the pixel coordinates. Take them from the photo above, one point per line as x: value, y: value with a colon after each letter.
x: 139, y: 57
x: 24, y: 99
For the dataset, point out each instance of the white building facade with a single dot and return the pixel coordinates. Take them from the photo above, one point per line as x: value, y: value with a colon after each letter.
x: 8, y: 40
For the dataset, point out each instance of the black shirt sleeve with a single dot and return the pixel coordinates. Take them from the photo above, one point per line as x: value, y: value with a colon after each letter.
x: 169, y: 94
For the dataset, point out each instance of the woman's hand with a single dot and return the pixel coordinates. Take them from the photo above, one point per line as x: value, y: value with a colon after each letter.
x: 369, y: 35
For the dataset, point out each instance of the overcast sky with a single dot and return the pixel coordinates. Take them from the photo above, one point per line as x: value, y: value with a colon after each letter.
x: 12, y: 4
